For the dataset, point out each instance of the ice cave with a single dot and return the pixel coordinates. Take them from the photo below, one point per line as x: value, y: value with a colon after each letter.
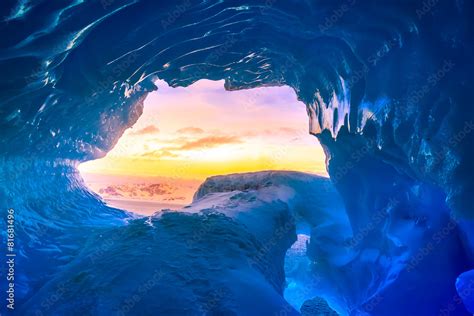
x: 386, y: 87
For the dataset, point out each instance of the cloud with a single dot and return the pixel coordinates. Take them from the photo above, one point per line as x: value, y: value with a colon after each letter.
x: 190, y: 130
x: 162, y: 153
x: 200, y: 143
x: 281, y: 131
x: 291, y: 131
x: 210, y: 141
x: 150, y: 129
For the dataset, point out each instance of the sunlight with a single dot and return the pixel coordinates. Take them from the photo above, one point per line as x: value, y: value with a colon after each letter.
x: 188, y: 134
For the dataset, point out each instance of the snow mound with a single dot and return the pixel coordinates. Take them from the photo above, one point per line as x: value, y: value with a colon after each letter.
x: 224, y: 254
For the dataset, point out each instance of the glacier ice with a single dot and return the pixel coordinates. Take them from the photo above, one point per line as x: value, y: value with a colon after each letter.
x: 387, y: 88
x: 465, y: 288
x: 223, y: 254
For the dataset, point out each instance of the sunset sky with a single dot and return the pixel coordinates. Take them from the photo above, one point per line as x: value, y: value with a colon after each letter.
x: 203, y: 130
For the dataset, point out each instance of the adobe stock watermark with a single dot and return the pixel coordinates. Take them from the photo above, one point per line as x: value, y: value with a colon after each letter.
x: 436, y: 238
x: 106, y: 3
x: 336, y: 15
x: 426, y: 7
x: 457, y: 300
x: 10, y: 259
x: 140, y: 292
x: 377, y: 219
x: 432, y: 81
x: 174, y: 14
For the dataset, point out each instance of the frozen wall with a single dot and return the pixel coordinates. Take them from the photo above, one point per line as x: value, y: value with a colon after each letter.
x: 387, y: 87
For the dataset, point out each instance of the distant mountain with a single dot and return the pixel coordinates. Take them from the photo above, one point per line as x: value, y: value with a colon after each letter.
x: 159, y: 189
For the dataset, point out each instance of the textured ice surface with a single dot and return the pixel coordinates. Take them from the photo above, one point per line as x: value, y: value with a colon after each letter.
x: 224, y: 254
x: 465, y: 287
x: 317, y: 307
x: 388, y: 90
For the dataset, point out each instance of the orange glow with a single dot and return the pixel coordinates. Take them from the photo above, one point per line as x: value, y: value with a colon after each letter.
x: 203, y: 130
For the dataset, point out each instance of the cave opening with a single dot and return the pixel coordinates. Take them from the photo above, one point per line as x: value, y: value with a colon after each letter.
x: 186, y: 135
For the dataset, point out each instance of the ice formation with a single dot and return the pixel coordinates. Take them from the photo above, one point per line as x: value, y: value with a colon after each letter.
x: 222, y: 254
x: 387, y: 88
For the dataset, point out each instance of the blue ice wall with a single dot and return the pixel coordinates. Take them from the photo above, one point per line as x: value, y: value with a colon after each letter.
x: 388, y: 90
